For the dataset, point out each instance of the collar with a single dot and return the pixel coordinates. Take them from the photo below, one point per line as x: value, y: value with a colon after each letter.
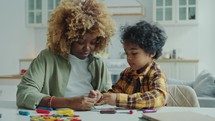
x: 144, y: 70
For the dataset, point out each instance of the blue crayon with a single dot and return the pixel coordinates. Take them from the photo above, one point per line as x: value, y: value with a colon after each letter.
x: 24, y: 113
x: 45, y: 108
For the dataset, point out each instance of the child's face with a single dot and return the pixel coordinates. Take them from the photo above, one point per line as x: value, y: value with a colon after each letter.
x: 136, y: 56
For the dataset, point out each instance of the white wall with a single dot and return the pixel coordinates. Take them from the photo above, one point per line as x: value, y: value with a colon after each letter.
x: 196, y: 42
x: 40, y: 39
x: 17, y: 41
x: 184, y: 40
x: 191, y: 42
x: 206, y: 35
x: 116, y: 48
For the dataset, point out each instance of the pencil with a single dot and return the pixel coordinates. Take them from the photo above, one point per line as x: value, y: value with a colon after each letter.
x: 93, y: 107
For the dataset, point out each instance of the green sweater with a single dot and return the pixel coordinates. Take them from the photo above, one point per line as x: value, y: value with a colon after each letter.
x: 49, y: 74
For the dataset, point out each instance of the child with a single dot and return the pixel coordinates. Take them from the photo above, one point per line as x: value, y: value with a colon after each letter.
x: 143, y: 84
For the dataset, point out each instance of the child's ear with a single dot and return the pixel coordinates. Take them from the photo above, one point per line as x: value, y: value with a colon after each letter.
x: 153, y: 54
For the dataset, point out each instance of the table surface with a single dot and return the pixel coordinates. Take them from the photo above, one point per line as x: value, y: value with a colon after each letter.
x: 9, y: 112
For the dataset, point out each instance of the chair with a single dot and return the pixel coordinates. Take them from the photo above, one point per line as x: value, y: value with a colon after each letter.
x: 182, y: 96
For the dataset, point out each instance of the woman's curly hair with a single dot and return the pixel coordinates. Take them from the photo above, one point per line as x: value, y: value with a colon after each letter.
x: 149, y: 37
x: 72, y: 19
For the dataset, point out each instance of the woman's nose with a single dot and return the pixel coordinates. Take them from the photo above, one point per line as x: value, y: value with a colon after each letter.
x: 87, y: 47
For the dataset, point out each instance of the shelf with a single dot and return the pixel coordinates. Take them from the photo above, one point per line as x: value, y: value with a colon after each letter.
x: 177, y: 60
x: 11, y: 77
x: 26, y: 59
x: 126, y: 10
x: 124, y: 7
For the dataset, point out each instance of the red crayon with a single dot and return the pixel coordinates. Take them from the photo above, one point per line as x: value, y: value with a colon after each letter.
x: 42, y: 111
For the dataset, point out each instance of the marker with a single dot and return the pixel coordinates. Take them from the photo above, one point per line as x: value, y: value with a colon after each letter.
x: 131, y: 112
x: 24, y: 113
x: 75, y: 120
x: 93, y: 107
x: 108, y: 111
x: 149, y: 110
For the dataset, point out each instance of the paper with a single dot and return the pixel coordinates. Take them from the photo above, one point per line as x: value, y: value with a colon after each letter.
x: 180, y: 116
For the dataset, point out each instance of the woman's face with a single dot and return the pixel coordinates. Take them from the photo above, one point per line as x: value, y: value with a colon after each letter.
x: 136, y: 56
x: 83, y: 47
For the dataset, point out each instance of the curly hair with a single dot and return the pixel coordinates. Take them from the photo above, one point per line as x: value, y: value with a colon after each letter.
x: 72, y: 19
x: 149, y: 37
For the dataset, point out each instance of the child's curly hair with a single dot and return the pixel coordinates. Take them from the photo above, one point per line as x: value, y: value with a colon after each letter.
x: 149, y: 37
x: 72, y: 19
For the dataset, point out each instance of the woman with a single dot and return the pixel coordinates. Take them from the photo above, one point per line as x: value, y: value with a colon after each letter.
x: 68, y: 74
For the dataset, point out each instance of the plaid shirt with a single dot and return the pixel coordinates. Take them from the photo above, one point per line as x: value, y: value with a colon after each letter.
x: 145, y: 88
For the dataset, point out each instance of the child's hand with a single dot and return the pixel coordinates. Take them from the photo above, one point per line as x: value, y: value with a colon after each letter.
x: 109, y: 98
x: 95, y: 94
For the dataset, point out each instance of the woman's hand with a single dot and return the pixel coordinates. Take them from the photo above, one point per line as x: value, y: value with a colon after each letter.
x: 95, y: 94
x: 109, y: 98
x: 75, y: 103
x: 81, y: 103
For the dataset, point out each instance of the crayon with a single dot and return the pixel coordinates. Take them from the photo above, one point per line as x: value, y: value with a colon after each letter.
x: 42, y: 111
x: 65, y: 112
x: 24, y: 113
x: 45, y: 108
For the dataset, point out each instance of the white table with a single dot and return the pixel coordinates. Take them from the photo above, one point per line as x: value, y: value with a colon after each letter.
x: 9, y: 112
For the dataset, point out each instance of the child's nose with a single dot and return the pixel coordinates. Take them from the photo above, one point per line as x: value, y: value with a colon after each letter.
x: 129, y: 57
